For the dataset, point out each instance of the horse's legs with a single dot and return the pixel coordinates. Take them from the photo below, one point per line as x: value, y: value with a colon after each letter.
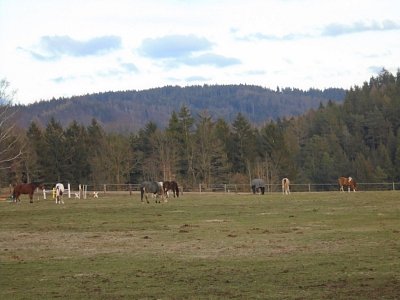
x: 31, y: 198
x: 59, y: 200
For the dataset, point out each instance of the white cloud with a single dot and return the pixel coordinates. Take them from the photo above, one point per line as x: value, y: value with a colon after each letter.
x: 55, y: 47
x: 173, y: 46
x: 336, y: 29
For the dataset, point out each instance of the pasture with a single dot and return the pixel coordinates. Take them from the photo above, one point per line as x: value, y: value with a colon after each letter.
x: 327, y: 245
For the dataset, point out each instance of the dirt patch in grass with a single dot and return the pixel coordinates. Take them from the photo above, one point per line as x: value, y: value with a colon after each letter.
x: 182, y: 241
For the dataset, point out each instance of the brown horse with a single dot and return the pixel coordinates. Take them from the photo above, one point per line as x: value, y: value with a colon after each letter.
x: 348, y: 182
x: 171, y: 186
x: 26, y: 188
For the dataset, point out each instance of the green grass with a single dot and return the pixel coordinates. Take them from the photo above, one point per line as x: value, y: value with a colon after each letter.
x: 203, y: 246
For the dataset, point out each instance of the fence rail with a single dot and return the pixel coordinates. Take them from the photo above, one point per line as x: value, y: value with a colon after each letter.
x: 245, y: 188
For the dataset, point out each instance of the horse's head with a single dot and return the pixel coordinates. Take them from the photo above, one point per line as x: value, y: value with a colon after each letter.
x: 39, y: 185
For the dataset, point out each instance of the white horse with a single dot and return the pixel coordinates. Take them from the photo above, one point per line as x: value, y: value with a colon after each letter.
x: 285, y: 186
x: 59, y: 193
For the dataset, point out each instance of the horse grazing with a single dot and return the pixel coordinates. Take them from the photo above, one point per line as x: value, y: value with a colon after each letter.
x: 59, y: 193
x: 348, y: 182
x: 285, y: 186
x: 258, y: 185
x: 152, y: 187
x: 26, y: 188
x: 171, y: 186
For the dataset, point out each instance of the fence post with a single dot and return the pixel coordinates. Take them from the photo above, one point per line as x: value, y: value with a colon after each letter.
x: 200, y: 187
x: 225, y: 187
x: 393, y: 186
x: 309, y: 187
x: 69, y: 191
x: 104, y: 188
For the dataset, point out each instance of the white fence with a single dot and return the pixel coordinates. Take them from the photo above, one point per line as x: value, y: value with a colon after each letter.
x: 81, y: 192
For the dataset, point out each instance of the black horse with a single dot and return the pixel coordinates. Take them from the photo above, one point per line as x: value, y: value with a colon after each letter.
x: 171, y: 186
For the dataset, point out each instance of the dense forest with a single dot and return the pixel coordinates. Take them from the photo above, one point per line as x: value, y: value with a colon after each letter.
x: 359, y: 138
x: 129, y: 111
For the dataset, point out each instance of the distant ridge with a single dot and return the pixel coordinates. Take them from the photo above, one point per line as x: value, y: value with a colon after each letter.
x: 126, y: 111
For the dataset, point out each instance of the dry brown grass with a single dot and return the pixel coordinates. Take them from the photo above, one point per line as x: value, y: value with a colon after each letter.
x: 211, y: 246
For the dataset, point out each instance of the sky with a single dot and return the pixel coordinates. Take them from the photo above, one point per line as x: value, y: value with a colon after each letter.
x: 63, y: 48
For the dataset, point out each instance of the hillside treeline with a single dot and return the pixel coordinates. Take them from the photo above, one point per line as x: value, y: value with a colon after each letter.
x: 359, y: 138
x: 129, y: 111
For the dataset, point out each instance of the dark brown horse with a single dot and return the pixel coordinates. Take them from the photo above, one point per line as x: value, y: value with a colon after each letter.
x: 348, y: 182
x: 26, y: 188
x: 171, y: 186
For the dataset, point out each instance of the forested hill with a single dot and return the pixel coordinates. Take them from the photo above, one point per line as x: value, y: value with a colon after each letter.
x: 131, y: 110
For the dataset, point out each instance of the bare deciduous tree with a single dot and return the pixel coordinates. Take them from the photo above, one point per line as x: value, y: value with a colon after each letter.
x: 8, y: 141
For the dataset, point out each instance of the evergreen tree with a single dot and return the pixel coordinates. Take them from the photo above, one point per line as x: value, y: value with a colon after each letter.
x: 55, y: 153
x: 34, y: 159
x: 96, y: 145
x: 174, y: 140
x: 145, y: 153
x: 77, y: 154
x: 243, y: 153
x: 186, y: 163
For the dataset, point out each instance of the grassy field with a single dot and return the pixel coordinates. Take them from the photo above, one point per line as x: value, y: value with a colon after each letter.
x: 203, y: 246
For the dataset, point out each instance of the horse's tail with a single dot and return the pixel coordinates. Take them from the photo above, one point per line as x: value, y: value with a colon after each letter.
x: 354, y: 185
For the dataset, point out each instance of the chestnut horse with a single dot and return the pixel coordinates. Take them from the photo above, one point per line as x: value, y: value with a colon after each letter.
x: 348, y: 182
x: 26, y: 188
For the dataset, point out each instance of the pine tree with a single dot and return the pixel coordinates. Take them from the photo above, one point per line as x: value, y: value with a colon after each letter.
x: 54, y: 153
x: 243, y: 152
x: 186, y: 164
x: 33, y: 156
x: 77, y: 170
